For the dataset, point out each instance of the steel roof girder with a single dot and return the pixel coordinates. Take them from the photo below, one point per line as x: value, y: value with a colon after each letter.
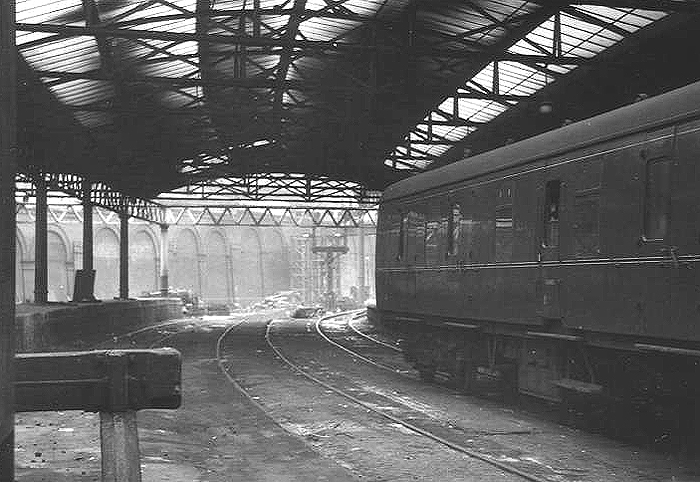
x: 102, y: 195
x: 653, y: 5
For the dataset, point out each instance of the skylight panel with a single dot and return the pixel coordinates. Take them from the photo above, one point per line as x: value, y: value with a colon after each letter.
x: 185, y: 25
x: 75, y: 54
x: 27, y: 37
x: 43, y: 11
x: 184, y: 48
x: 316, y: 4
x: 172, y: 69
x: 325, y: 29
x: 178, y: 99
x: 93, y: 120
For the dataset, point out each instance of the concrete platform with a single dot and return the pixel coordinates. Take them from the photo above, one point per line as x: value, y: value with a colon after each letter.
x: 76, y: 326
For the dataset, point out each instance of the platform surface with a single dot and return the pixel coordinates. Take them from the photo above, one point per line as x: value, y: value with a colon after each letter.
x: 217, y: 435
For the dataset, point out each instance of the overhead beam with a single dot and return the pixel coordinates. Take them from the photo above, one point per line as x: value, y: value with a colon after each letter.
x: 101, y: 195
x: 655, y: 5
x: 284, y: 63
x: 289, y: 44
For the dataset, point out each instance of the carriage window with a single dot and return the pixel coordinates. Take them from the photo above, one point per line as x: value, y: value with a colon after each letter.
x: 403, y: 228
x: 432, y: 254
x: 504, y: 233
x: 657, y: 202
x: 552, y: 204
x: 454, y: 223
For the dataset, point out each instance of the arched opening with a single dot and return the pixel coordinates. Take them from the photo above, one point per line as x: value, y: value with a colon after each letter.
x: 143, y: 275
x: 216, y: 281
x: 184, y: 270
x: 275, y: 262
x: 59, y: 286
x: 20, y: 294
x: 106, y: 264
x: 247, y: 267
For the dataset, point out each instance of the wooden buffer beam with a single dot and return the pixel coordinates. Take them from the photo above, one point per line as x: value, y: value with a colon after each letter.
x: 115, y: 383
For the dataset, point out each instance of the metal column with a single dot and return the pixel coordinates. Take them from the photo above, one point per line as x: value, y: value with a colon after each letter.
x: 123, y: 256
x: 164, y: 259
x: 361, y: 281
x: 85, y: 278
x: 41, y: 260
x: 87, y: 228
x: 8, y: 167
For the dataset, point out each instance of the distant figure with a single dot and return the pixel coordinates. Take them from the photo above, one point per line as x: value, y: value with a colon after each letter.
x: 640, y: 97
x: 567, y: 122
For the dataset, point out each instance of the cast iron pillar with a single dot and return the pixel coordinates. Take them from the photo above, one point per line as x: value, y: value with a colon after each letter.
x: 8, y: 168
x: 164, y: 259
x: 85, y: 278
x: 41, y: 260
x: 361, y: 281
x: 123, y: 256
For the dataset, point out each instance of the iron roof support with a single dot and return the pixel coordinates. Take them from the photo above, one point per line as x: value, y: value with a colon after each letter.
x: 8, y: 167
x: 101, y: 195
x: 284, y: 63
x: 41, y: 283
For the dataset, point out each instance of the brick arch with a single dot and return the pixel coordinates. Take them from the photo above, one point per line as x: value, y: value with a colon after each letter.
x: 59, y: 283
x: 216, y: 284
x: 184, y: 272
x: 247, y: 267
x: 275, y: 259
x: 106, y: 261
x: 21, y: 293
x: 143, y: 262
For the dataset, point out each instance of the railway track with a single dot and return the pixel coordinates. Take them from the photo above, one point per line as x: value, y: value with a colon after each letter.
x: 484, y: 442
x: 358, y: 350
x: 419, y: 422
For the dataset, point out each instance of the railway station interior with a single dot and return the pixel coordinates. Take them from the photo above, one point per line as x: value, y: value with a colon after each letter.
x: 223, y: 162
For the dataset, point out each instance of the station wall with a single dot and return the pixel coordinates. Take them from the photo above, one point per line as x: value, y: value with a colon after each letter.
x: 220, y: 264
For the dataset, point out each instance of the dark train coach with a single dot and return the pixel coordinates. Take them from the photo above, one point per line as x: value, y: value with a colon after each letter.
x: 567, y: 262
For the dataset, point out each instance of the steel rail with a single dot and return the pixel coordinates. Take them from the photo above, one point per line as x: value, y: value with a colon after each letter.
x: 370, y: 338
x: 452, y: 445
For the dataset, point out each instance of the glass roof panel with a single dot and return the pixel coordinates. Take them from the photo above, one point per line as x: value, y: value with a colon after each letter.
x: 586, y: 30
x: 325, y: 29
x: 74, y: 54
x: 81, y: 92
x: 584, y: 35
x: 26, y: 37
x: 34, y: 11
x: 93, y: 120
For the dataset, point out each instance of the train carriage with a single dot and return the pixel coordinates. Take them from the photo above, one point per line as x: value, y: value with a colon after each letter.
x: 565, y: 262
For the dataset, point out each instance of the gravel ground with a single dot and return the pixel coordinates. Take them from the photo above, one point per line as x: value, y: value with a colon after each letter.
x: 217, y: 435
x: 286, y: 428
x: 542, y: 447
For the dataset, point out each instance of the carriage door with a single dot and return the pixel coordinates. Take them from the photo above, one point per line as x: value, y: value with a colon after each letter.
x: 549, y: 279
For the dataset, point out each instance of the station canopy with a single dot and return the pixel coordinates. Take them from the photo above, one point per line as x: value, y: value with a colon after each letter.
x: 318, y: 100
